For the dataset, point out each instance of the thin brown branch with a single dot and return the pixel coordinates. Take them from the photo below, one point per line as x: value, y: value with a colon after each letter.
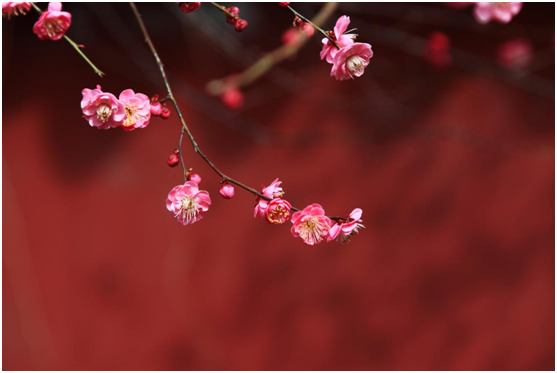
x: 264, y: 64
x: 185, y: 128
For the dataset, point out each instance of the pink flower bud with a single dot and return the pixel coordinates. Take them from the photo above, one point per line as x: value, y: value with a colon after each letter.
x: 285, y: 4
x: 156, y: 109
x: 307, y: 29
x: 233, y: 98
x: 173, y: 160
x: 241, y: 25
x: 227, y: 191
x: 193, y: 177
x: 235, y: 12
x: 165, y: 112
x: 188, y: 7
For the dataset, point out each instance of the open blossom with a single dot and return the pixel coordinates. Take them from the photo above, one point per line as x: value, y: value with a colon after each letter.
x: 347, y: 229
x: 14, y: 9
x: 278, y: 211
x: 188, y: 7
x: 351, y: 61
x: 500, y: 12
x: 53, y: 23
x: 272, y: 191
x: 342, y: 40
x: 311, y: 224
x: 515, y: 54
x: 102, y: 109
x: 188, y: 203
x: 138, y: 110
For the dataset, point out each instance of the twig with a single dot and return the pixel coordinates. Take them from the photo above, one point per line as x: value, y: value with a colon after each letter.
x: 185, y: 128
x: 75, y: 46
x: 315, y: 26
x: 223, y: 9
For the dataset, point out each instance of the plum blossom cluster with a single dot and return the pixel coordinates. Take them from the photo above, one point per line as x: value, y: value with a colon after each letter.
x: 311, y: 225
x: 51, y: 25
x: 349, y: 58
x: 130, y: 110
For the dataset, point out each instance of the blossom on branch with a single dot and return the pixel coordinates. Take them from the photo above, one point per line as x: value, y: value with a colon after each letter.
x: 226, y: 191
x: 351, y: 61
x: 340, y: 38
x: 15, y: 9
x: 188, y: 7
x: 311, y: 224
x: 138, y: 110
x: 188, y: 203
x: 347, y: 229
x: 53, y: 23
x: 102, y: 109
x: 278, y: 211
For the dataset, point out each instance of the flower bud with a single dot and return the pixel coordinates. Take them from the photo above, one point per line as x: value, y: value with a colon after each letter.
x: 227, y: 191
x: 241, y: 24
x: 173, y: 160
x: 284, y: 5
x: 307, y: 29
x: 156, y: 108
x: 188, y: 7
x: 233, y: 98
x: 193, y: 177
x: 235, y: 12
x: 165, y: 112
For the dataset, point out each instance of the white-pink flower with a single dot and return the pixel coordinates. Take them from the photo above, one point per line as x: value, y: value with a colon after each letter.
x: 500, y: 12
x: 342, y: 40
x: 53, y: 23
x: 15, y: 9
x: 102, y: 109
x: 138, y: 109
x: 351, y: 61
x: 311, y: 224
x: 347, y: 229
x: 188, y: 203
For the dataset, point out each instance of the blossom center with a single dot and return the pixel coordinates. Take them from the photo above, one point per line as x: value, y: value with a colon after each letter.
x: 104, y: 112
x: 130, y: 116
x: 278, y: 216
x: 355, y: 64
x: 312, y: 230
x: 188, y: 209
x: 53, y: 28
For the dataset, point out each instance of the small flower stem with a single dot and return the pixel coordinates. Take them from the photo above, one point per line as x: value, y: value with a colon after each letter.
x: 314, y: 25
x: 75, y: 46
x: 180, y: 153
x: 183, y: 122
x: 222, y: 8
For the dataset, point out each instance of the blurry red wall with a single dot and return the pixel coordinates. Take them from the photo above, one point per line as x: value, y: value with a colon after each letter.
x: 454, y: 170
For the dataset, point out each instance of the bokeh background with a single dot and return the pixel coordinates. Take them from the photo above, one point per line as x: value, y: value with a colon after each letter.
x: 454, y: 169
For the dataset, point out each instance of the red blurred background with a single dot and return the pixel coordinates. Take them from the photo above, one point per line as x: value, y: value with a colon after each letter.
x: 454, y: 169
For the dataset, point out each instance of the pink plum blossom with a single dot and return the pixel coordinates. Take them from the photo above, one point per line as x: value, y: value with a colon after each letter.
x: 53, y: 23
x: 311, y: 224
x: 188, y: 203
x: 351, y: 61
x: 500, y: 12
x: 515, y: 54
x: 278, y: 211
x: 138, y: 109
x: 347, y: 229
x: 342, y: 40
x: 227, y: 191
x: 272, y: 191
x: 102, y: 109
x: 15, y: 9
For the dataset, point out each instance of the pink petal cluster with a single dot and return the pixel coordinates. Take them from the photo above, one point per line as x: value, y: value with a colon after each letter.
x: 515, y: 54
x: 138, y: 110
x: 104, y: 111
x: 276, y: 211
x: 341, y: 39
x: 15, y: 9
x: 351, y: 61
x: 311, y: 224
x: 53, y: 23
x: 484, y: 12
x: 347, y: 229
x: 188, y: 203
x: 227, y: 191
